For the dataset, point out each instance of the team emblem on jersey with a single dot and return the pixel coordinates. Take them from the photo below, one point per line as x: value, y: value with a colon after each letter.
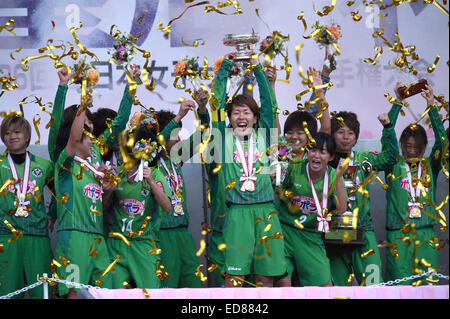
x: 132, y: 207
x: 92, y: 191
x: 145, y: 192
x: 37, y: 172
x: 304, y: 203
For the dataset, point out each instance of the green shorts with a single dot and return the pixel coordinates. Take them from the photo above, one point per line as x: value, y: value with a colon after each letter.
x: 305, y: 254
x: 88, y: 257
x: 252, y: 246
x: 136, y: 263
x: 23, y: 262
x: 217, y: 256
x: 178, y: 258
x: 402, y: 267
x: 346, y: 260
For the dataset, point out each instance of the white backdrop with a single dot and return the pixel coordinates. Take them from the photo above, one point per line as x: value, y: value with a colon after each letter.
x: 358, y: 86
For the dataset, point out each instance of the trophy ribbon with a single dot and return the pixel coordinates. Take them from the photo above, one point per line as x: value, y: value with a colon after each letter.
x: 247, y: 178
x: 323, y: 224
x: 142, y: 164
x: 415, y: 209
x: 21, y: 188
x: 174, y: 186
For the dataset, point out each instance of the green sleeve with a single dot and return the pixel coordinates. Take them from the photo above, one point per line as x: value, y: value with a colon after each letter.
x: 204, y: 119
x: 161, y: 181
x: 58, y: 119
x: 220, y: 84
x: 51, y: 185
x: 220, y: 94
x: 440, y: 142
x: 120, y: 121
x: 167, y: 131
x: 389, y: 152
x: 267, y: 100
x: 393, y: 113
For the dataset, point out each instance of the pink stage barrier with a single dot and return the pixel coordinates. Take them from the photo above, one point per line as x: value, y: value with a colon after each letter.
x: 352, y: 292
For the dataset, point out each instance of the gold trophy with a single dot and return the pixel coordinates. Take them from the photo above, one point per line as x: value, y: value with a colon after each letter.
x: 344, y: 228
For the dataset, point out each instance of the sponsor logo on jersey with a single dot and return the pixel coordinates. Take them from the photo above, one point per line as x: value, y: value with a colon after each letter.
x: 30, y: 187
x: 237, y: 159
x: 92, y: 191
x: 404, y: 184
x: 304, y: 203
x: 132, y: 206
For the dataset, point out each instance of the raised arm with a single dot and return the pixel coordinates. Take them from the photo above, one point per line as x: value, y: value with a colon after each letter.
x: 123, y: 114
x: 325, y: 120
x: 58, y: 113
x: 76, y: 131
x: 440, y: 136
x: 389, y: 146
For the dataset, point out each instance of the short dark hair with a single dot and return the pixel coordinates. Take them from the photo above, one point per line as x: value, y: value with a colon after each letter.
x: 64, y: 131
x: 350, y: 119
x: 296, y: 119
x: 243, y: 99
x: 99, y: 120
x: 418, y: 133
x: 164, y: 117
x: 322, y: 139
x: 17, y: 121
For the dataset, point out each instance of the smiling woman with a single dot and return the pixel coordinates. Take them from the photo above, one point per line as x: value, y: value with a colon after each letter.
x: 16, y: 134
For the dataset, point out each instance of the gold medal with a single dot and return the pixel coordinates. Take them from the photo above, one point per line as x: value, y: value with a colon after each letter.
x: 21, y: 211
x: 249, y: 186
x: 178, y: 209
x: 415, y: 212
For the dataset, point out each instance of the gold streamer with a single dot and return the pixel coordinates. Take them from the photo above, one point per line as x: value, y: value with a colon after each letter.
x: 120, y: 236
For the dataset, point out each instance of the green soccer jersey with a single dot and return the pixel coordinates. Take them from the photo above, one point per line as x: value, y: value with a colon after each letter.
x: 217, y: 193
x: 303, y: 207
x: 263, y: 191
x: 174, y: 177
x: 133, y: 203
x: 79, y: 196
x: 40, y: 174
x: 380, y: 162
x: 172, y: 171
x: 398, y: 195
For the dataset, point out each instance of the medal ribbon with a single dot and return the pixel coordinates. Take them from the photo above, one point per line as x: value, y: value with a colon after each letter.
x: 88, y: 165
x: 321, y: 219
x: 413, y: 191
x: 21, y: 189
x: 351, y: 165
x: 247, y: 166
x: 173, y: 183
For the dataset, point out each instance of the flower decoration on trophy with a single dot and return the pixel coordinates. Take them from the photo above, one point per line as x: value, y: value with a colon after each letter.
x: 188, y: 68
x: 272, y: 46
x: 86, y: 75
x: 280, y: 155
x: 123, y: 52
x: 328, y: 36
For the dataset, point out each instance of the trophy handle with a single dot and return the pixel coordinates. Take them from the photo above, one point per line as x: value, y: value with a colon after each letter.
x: 366, y: 166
